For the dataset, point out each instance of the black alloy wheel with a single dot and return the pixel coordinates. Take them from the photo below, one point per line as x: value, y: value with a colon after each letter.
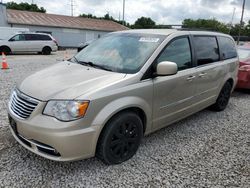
x: 223, y: 99
x: 121, y: 138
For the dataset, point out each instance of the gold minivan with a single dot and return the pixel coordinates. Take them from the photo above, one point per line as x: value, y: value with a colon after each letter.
x: 119, y: 88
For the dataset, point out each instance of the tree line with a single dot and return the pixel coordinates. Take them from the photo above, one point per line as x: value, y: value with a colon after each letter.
x: 25, y: 6
x: 147, y: 23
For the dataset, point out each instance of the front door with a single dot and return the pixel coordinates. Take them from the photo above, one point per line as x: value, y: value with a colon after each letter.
x: 18, y: 43
x: 174, y: 95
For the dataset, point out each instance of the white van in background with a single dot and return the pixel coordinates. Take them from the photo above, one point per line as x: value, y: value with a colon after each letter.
x: 5, y: 32
x: 29, y: 42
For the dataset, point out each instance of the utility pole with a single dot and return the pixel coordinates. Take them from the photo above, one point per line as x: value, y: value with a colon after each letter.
x: 32, y: 2
x: 123, y: 14
x: 232, y: 20
x: 72, y: 7
x: 241, y: 20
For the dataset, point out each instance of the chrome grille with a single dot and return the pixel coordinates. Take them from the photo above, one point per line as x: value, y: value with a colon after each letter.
x: 22, y: 105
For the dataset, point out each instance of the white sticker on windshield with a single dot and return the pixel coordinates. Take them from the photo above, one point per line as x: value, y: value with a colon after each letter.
x: 148, y: 39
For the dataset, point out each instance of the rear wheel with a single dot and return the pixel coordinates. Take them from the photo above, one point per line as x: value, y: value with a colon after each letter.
x: 120, y: 139
x: 46, y: 50
x: 5, y: 49
x: 223, y: 99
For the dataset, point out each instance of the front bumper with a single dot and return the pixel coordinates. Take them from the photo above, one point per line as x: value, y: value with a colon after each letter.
x: 44, y: 136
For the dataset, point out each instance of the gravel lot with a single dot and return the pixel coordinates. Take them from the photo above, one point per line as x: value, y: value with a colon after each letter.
x: 207, y: 149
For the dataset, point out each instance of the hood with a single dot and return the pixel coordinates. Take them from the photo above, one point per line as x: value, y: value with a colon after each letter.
x: 66, y: 80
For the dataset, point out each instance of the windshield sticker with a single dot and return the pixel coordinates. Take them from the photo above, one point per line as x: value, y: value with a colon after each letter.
x: 147, y: 39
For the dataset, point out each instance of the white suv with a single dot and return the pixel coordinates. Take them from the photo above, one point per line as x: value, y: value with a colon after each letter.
x: 29, y: 42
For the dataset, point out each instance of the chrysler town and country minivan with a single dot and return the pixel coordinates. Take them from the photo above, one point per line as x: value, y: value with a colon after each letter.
x: 122, y: 86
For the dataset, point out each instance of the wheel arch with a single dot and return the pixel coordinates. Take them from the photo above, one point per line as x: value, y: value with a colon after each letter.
x: 141, y: 108
x: 47, y: 47
x: 138, y: 111
x: 231, y: 81
x: 5, y: 46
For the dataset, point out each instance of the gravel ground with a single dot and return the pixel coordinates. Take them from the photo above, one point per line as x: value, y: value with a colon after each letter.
x: 207, y: 149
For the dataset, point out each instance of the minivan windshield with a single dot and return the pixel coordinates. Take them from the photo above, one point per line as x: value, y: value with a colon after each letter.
x: 120, y: 52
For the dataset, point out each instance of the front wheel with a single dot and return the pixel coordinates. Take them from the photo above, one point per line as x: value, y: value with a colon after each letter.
x: 6, y: 50
x: 120, y: 139
x: 223, y: 99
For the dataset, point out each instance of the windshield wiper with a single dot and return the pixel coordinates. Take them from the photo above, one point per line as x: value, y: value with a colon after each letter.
x: 74, y: 59
x: 91, y: 64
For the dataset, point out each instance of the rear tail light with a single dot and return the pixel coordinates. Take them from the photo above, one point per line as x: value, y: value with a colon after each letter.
x: 55, y: 42
x: 245, y: 68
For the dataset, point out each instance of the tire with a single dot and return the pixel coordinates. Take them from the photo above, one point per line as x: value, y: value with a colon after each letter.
x: 5, y: 49
x: 223, y: 98
x: 120, y: 138
x: 46, y: 50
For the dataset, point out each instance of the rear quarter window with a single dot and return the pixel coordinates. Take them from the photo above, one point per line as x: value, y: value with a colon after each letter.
x: 227, y: 48
x: 44, y: 37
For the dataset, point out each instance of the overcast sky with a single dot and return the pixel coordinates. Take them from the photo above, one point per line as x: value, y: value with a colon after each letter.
x: 161, y: 11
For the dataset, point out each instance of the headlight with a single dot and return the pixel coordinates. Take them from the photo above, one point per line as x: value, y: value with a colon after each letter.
x: 66, y: 110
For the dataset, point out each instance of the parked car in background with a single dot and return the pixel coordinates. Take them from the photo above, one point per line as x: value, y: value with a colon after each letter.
x: 29, y: 42
x: 122, y: 86
x: 244, y: 69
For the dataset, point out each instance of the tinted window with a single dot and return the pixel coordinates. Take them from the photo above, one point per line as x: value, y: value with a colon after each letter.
x: 207, y: 50
x: 227, y: 47
x: 44, y: 37
x: 179, y: 52
x: 30, y: 37
x: 35, y: 37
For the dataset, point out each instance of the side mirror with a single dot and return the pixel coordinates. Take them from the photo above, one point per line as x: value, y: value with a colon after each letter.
x: 166, y: 68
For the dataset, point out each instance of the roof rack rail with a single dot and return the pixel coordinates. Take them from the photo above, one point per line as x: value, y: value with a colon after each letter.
x: 32, y: 32
x: 23, y: 32
x: 197, y: 29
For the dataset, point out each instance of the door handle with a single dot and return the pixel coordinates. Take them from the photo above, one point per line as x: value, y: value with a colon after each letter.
x: 190, y: 78
x: 202, y: 75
